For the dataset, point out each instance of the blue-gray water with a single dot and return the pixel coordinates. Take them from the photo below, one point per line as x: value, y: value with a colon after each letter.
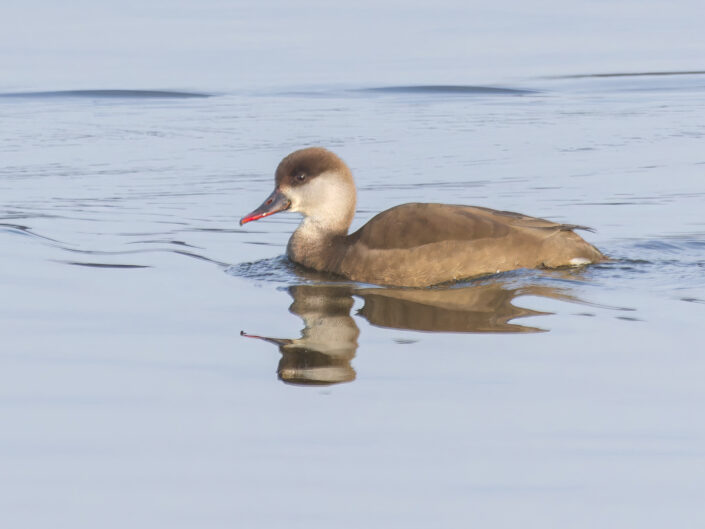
x: 128, y: 396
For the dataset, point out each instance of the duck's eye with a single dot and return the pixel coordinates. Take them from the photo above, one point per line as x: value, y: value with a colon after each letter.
x: 301, y: 177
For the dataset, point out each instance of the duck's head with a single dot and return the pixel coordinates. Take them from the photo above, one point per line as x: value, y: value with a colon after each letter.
x: 315, y: 183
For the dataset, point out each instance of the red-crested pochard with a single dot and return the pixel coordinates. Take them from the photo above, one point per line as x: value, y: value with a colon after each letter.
x: 413, y: 244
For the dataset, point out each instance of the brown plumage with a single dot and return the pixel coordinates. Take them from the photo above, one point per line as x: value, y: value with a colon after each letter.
x: 415, y: 244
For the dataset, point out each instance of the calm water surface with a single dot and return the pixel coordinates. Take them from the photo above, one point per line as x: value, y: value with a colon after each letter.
x: 129, y: 396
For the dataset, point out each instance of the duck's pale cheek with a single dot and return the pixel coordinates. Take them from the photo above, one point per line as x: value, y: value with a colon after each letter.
x: 295, y: 200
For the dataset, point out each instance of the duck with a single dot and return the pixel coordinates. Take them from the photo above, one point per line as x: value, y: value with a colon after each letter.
x: 409, y: 245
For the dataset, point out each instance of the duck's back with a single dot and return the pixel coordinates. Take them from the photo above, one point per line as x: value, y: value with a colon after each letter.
x: 424, y: 244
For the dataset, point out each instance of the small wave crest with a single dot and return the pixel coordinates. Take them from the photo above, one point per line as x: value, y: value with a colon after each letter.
x: 26, y: 231
x: 275, y: 269
x: 104, y: 265
x: 97, y: 257
x: 280, y: 270
x: 107, y: 94
x: 449, y: 90
x: 628, y: 74
x: 667, y: 262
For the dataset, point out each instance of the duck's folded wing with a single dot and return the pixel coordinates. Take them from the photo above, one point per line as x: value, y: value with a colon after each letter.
x: 524, y: 221
x: 412, y: 225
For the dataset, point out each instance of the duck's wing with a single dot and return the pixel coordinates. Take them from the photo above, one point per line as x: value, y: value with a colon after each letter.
x: 524, y: 221
x: 417, y: 224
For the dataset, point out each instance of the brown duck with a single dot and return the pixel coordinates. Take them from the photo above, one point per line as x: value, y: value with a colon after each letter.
x: 413, y: 244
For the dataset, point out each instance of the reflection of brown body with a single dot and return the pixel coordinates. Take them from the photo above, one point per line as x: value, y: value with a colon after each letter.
x: 329, y: 339
x: 481, y: 308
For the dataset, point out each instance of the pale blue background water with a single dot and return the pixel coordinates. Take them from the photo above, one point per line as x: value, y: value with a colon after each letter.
x: 128, y: 396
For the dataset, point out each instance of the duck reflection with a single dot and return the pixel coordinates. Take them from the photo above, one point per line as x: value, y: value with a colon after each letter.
x: 481, y: 308
x: 328, y: 342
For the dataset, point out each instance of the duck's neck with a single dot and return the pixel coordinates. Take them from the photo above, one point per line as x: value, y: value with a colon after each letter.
x: 318, y: 246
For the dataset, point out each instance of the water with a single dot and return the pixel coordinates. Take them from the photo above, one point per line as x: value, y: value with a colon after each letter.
x: 129, y: 396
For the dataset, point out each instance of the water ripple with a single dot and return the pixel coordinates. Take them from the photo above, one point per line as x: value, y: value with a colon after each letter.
x: 279, y: 270
x: 107, y: 94
x: 19, y: 229
x: 104, y: 265
x: 671, y: 262
x: 450, y: 89
x: 627, y: 74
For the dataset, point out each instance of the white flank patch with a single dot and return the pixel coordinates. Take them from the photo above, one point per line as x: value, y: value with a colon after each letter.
x: 579, y: 261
